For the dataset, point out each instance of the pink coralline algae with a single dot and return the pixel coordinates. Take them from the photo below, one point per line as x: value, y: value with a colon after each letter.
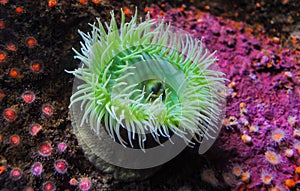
x: 263, y: 99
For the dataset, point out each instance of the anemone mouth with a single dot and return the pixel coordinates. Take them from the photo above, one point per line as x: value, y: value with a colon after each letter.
x: 141, y: 80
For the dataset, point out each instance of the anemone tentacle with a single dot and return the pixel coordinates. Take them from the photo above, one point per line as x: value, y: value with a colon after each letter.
x: 114, y: 93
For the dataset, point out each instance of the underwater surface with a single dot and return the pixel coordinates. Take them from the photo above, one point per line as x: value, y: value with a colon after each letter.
x: 258, y: 49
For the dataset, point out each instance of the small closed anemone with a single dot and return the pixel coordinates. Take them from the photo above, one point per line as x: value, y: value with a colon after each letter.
x: 139, y: 87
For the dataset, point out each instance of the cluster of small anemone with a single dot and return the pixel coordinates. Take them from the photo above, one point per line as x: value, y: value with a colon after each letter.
x: 14, y: 114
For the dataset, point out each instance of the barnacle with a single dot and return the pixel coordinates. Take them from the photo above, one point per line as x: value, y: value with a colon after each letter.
x: 139, y: 79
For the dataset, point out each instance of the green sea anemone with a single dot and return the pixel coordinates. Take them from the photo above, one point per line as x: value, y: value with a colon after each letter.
x: 144, y: 78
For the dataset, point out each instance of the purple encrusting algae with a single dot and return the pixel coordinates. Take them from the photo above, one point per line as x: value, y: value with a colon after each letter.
x: 261, y: 128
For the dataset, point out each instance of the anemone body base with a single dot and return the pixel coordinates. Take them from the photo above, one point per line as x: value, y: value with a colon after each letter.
x: 87, y: 140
